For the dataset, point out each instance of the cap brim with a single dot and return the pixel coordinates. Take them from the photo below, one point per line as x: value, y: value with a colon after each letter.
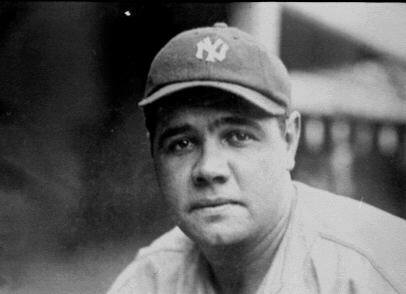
x: 252, y: 96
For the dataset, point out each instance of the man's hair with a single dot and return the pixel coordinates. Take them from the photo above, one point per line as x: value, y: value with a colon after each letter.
x: 203, y: 97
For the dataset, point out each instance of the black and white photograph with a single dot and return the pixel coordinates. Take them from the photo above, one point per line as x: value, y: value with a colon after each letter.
x: 202, y: 147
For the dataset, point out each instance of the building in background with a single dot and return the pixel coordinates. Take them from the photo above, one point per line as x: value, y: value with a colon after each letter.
x: 78, y: 194
x: 348, y: 68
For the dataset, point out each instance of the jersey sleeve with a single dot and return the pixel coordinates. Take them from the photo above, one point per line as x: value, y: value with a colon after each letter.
x: 139, y: 277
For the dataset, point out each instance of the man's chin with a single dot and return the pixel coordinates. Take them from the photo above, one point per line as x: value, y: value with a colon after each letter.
x: 217, y: 234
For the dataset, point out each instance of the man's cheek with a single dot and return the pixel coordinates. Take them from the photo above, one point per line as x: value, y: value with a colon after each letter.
x: 165, y: 175
x: 253, y: 170
x: 174, y: 188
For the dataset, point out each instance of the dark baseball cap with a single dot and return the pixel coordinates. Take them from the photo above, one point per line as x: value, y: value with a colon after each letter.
x: 223, y: 58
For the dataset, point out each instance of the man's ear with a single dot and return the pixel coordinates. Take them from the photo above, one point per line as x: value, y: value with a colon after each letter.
x: 292, y: 135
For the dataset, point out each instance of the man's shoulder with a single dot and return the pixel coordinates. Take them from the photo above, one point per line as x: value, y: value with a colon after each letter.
x: 361, y: 228
x: 169, y: 250
x: 158, y: 264
x: 344, y: 215
x: 174, y: 241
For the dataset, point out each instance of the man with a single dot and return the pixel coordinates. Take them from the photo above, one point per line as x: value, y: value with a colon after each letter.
x: 223, y: 139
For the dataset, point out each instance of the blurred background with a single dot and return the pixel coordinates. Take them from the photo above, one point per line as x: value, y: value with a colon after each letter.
x: 77, y: 190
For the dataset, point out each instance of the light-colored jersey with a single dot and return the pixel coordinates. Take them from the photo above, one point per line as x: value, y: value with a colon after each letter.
x: 333, y: 244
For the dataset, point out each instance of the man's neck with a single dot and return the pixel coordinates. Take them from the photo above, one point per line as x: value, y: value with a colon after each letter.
x: 241, y: 268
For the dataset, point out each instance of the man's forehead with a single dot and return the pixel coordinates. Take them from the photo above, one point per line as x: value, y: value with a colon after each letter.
x: 199, y: 113
x: 213, y: 115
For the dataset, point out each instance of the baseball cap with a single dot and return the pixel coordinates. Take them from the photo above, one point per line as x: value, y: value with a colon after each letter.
x: 223, y: 58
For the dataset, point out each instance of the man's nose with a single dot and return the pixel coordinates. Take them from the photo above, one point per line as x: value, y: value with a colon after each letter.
x: 211, y: 167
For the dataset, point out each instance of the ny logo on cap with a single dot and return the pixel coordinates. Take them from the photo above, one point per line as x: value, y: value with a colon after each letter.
x: 215, y: 51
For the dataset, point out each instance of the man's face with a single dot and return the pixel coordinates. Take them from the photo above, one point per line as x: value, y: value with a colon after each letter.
x: 224, y: 174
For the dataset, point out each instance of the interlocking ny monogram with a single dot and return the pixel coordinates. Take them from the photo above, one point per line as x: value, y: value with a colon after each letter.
x: 215, y: 51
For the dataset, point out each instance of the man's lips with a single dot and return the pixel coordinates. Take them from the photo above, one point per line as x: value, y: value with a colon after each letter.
x: 209, y: 203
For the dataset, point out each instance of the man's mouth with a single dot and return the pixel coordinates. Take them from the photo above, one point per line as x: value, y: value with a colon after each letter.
x: 212, y: 203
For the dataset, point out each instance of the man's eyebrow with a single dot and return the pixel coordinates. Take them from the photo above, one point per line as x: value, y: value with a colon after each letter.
x: 172, y: 131
x: 235, y: 120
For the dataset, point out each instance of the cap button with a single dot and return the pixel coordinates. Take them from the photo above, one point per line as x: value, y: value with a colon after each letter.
x: 221, y: 25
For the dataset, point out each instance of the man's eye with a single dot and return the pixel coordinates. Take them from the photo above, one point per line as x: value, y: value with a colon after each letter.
x: 238, y: 137
x: 180, y: 145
